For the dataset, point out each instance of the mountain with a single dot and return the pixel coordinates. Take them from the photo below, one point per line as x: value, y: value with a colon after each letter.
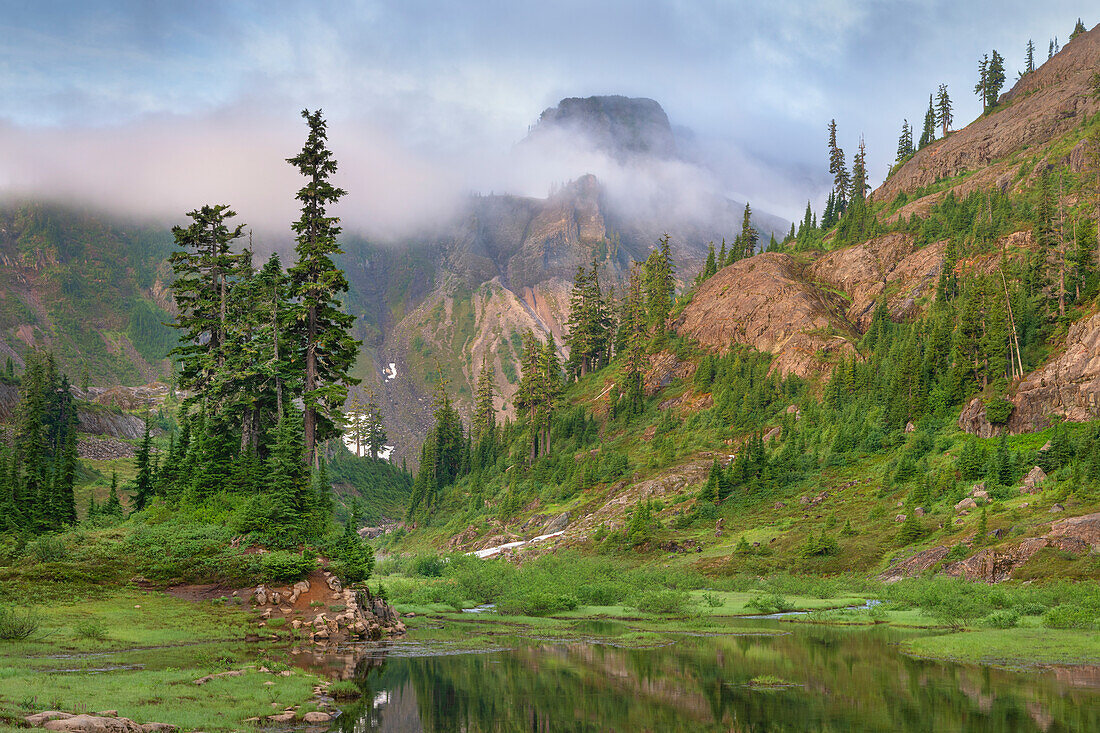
x: 621, y: 126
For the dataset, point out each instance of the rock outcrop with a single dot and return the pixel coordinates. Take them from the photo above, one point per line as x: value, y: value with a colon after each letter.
x: 889, y: 264
x: 766, y: 302
x: 1067, y: 386
x: 1041, y: 106
x: 995, y: 564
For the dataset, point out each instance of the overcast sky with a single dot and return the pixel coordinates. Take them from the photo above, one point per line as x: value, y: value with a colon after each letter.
x: 159, y: 105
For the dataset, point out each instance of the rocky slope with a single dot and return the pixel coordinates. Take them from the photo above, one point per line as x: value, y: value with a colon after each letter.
x: 1067, y: 386
x: 767, y: 303
x: 1042, y: 105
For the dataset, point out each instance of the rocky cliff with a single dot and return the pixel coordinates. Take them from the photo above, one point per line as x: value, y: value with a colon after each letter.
x: 1043, y: 105
x: 622, y: 126
x: 766, y: 302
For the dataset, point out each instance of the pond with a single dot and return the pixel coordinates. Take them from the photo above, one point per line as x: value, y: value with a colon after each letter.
x: 774, y: 677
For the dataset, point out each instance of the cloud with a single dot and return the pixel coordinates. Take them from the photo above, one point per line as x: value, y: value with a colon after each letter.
x: 426, y: 98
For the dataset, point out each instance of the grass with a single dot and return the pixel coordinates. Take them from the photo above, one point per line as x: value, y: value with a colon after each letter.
x: 1019, y: 646
x: 140, y: 653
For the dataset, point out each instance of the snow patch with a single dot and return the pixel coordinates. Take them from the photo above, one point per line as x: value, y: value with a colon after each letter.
x: 390, y: 372
x: 496, y: 550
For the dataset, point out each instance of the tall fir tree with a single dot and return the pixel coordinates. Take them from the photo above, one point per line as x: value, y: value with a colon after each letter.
x: 1029, y: 57
x: 838, y: 170
x: 323, y: 328
x: 928, y: 132
x: 143, y: 481
x: 944, y: 115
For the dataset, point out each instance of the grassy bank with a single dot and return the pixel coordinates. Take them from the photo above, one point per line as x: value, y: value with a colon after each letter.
x: 140, y: 653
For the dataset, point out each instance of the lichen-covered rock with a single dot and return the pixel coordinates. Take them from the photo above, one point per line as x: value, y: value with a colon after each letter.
x: 93, y: 724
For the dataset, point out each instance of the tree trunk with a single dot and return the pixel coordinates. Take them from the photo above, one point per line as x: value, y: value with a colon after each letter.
x: 310, y: 418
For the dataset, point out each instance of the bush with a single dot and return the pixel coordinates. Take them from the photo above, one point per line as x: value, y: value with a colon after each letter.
x: 1031, y: 608
x: 663, y: 601
x: 536, y: 603
x: 50, y: 549
x: 283, y: 565
x: 1005, y: 618
x: 1069, y: 616
x: 770, y: 603
x: 16, y: 626
x: 90, y: 629
x: 428, y: 566
x: 345, y: 690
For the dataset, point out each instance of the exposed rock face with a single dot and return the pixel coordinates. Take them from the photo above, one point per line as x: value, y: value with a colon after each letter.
x: 994, y: 564
x: 619, y: 125
x: 1041, y: 106
x: 889, y: 263
x: 766, y: 303
x: 1068, y: 386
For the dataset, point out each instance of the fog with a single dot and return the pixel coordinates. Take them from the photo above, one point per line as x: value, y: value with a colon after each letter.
x: 151, y: 109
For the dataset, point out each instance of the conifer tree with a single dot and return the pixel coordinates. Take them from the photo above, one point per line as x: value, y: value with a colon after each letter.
x: 981, y: 88
x: 1077, y: 30
x: 995, y: 78
x: 928, y: 133
x: 905, y: 147
x: 589, y: 323
x: 143, y: 482
x: 286, y: 512
x: 749, y: 236
x: 205, y: 269
x: 838, y: 170
x: 1050, y: 50
x: 944, y: 117
x: 376, y: 436
x: 113, y: 507
x: 324, y: 340
x: 859, y: 174
x: 485, y: 414
x: 1029, y: 58
x: 659, y: 284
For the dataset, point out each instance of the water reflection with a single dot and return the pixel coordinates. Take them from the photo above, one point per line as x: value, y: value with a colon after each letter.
x: 845, y: 680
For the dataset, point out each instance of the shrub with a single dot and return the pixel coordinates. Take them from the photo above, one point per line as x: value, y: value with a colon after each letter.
x: 428, y: 566
x: 285, y: 566
x: 16, y: 626
x: 1031, y: 608
x: 1005, y: 618
x: 663, y: 601
x: 344, y: 690
x: 90, y: 629
x: 770, y: 603
x: 50, y: 549
x: 536, y: 603
x: 712, y: 600
x: 1069, y: 616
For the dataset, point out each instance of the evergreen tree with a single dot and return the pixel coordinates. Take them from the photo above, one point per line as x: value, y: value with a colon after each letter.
x: 905, y: 148
x: 838, y: 170
x: 995, y: 78
x: 749, y: 236
x: 981, y: 88
x: 113, y: 507
x: 1029, y: 58
x: 1077, y: 30
x: 376, y: 435
x: 286, y: 512
x: 589, y: 323
x: 859, y: 175
x: 659, y: 284
x: 944, y: 116
x: 1051, y: 49
x: 711, y: 265
x: 485, y: 414
x: 928, y: 133
x: 143, y: 482
x: 205, y: 269
x: 324, y: 339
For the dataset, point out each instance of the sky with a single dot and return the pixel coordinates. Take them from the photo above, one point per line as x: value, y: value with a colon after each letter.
x: 154, y: 107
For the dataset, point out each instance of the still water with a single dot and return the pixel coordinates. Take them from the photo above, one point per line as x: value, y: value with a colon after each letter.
x: 838, y: 679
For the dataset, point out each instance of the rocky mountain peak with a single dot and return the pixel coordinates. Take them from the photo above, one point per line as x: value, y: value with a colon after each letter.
x: 619, y: 126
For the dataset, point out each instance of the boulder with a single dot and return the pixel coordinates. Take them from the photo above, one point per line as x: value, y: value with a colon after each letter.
x: 1085, y: 528
x: 259, y: 596
x: 919, y: 511
x: 281, y: 717
x: 1034, y: 477
x: 316, y: 717
x: 967, y: 503
x: 980, y: 495
x: 1057, y: 508
x: 976, y: 488
x: 900, y: 518
x: 38, y: 719
x: 94, y: 724
x: 159, y: 728
x: 910, y: 427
